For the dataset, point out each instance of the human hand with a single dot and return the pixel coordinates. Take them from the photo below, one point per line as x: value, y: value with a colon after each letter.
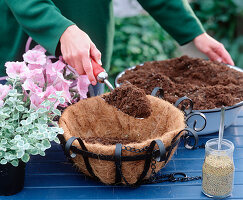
x: 212, y: 48
x: 77, y: 49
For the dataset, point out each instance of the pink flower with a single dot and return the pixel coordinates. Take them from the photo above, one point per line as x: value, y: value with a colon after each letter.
x: 45, y: 95
x: 61, y: 84
x: 35, y: 57
x: 39, y: 48
x: 38, y: 66
x: 31, y: 86
x: 4, y: 89
x: 82, y: 85
x: 34, y: 66
x: 16, y: 69
x: 55, y: 67
x: 37, y: 76
x: 50, y: 79
x: 1, y: 103
x: 49, y: 90
x: 36, y: 101
x: 37, y: 98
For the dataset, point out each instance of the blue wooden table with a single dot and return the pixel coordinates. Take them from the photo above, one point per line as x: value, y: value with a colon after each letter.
x: 53, y: 177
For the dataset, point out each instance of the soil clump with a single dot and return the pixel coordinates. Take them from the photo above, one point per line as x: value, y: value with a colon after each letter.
x: 130, y: 100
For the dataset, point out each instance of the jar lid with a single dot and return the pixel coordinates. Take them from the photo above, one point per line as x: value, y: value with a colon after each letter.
x: 226, y: 145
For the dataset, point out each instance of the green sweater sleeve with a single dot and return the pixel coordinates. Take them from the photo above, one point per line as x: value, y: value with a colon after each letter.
x: 176, y: 17
x: 41, y: 20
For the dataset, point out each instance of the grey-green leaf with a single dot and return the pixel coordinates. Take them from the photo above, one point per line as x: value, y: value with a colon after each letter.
x: 57, y: 112
x: 20, y: 154
x: 25, y: 158
x: 3, y: 162
x: 20, y: 108
x: 46, y: 144
x: 15, y: 163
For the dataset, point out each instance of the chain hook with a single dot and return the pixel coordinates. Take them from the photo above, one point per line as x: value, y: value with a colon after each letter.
x: 173, y: 177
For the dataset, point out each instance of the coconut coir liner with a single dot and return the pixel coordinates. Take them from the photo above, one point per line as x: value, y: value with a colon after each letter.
x: 130, y: 100
x: 209, y: 84
x: 93, y: 118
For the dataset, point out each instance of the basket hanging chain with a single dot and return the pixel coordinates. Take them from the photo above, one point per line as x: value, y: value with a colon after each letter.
x: 134, y: 150
x: 155, y: 178
x: 153, y: 167
x: 202, y: 146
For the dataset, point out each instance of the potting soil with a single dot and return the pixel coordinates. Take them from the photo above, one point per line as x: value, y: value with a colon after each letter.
x: 130, y: 100
x: 209, y: 84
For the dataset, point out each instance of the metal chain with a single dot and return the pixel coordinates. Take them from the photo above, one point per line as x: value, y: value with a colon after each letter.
x: 153, y: 167
x: 184, y: 179
x: 155, y: 178
x: 134, y: 150
x: 202, y: 146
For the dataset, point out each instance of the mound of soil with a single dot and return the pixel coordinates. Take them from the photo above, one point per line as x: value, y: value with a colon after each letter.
x: 130, y: 100
x: 209, y: 84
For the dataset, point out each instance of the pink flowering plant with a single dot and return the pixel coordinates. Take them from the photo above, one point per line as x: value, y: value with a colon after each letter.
x: 35, y: 91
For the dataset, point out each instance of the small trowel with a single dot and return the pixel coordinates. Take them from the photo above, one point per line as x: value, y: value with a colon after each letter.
x: 100, y: 74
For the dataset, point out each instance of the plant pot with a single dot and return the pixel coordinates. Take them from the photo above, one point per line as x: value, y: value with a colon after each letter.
x: 11, y: 179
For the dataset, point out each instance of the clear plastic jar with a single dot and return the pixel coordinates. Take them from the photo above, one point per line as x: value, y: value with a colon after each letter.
x: 218, y: 169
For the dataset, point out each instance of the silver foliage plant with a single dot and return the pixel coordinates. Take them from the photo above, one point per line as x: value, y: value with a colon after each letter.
x: 25, y: 131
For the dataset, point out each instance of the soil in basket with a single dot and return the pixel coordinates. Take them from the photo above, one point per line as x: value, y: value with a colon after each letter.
x: 108, y: 141
x: 209, y: 84
x: 130, y: 100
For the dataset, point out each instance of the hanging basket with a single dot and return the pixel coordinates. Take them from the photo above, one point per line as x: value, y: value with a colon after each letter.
x: 114, y: 148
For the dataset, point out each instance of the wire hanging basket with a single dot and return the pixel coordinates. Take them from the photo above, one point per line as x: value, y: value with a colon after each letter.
x: 149, y: 143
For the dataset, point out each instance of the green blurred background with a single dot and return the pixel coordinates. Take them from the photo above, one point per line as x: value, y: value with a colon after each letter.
x: 140, y: 38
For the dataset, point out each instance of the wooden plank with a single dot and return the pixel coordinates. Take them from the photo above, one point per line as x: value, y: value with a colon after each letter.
x: 143, y: 192
x: 73, y: 180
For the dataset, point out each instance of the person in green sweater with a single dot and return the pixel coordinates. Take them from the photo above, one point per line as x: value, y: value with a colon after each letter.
x: 83, y: 29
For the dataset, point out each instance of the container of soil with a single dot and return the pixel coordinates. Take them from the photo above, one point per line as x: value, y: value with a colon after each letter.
x: 210, y: 85
x: 113, y: 147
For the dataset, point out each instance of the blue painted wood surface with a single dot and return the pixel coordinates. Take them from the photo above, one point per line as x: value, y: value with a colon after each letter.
x: 52, y: 177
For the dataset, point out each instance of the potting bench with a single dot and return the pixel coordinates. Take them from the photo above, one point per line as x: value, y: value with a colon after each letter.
x: 53, y: 177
